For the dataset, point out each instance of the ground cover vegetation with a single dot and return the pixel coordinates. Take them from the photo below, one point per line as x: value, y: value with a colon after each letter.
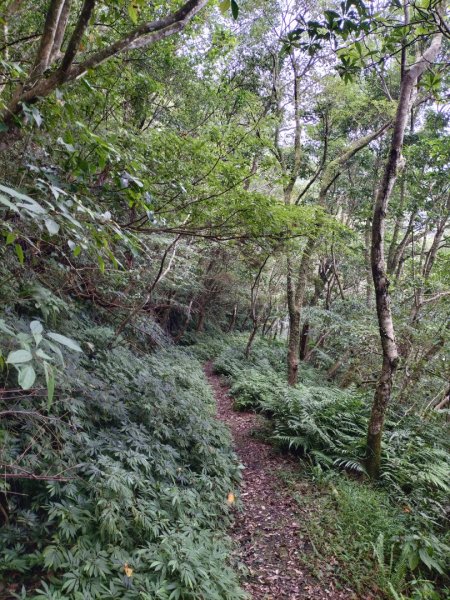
x: 385, y: 537
x: 262, y: 183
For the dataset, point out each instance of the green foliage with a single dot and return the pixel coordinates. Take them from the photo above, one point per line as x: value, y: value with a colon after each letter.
x: 38, y: 352
x: 352, y: 529
x: 229, y: 362
x: 327, y: 426
x: 141, y: 478
x: 253, y: 390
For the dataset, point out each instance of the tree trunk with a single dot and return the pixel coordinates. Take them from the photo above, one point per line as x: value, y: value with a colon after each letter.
x: 332, y: 371
x: 381, y: 283
x: 304, y: 340
x: 201, y: 319
x: 296, y: 296
x: 325, y: 268
x: 38, y: 85
x: 369, y: 288
x: 294, y: 328
x: 232, y: 324
x: 251, y: 339
x: 391, y: 265
x: 398, y: 251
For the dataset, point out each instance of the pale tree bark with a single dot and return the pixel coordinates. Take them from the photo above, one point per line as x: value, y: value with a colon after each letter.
x: 367, y: 240
x: 297, y: 282
x: 47, y: 39
x: 439, y: 234
x: 254, y: 293
x: 428, y: 264
x: 296, y: 288
x: 233, y: 319
x: 398, y: 225
x: 381, y: 283
x: 294, y: 300
x: 414, y: 376
x: 397, y: 251
x: 324, y: 272
x: 60, y: 31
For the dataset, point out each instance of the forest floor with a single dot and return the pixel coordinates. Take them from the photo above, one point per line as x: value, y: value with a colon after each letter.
x: 268, y: 532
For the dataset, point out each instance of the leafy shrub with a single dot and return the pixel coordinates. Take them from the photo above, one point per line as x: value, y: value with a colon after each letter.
x: 253, y: 390
x: 204, y: 347
x: 348, y: 522
x: 230, y: 362
x: 328, y: 426
x: 141, y: 472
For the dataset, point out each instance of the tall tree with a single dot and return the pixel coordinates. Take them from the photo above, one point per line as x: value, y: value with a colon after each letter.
x: 410, y: 77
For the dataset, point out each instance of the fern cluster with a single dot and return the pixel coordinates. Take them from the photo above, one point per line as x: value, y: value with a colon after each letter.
x: 327, y: 425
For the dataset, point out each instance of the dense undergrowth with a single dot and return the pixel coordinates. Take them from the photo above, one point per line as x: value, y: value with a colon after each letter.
x: 394, y: 539
x: 135, y: 470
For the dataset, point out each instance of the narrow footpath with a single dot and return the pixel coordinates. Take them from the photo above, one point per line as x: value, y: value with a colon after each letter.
x: 267, y: 531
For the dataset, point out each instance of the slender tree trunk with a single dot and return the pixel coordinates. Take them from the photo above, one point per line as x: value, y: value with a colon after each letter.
x: 399, y: 250
x: 37, y: 85
x: 397, y: 227
x: 304, y: 340
x: 325, y: 268
x: 294, y: 328
x: 417, y: 370
x: 201, y: 319
x: 332, y: 371
x: 432, y: 253
x: 381, y: 283
x: 232, y: 324
x: 319, y: 343
x: 251, y: 338
x: 369, y: 283
x: 296, y: 296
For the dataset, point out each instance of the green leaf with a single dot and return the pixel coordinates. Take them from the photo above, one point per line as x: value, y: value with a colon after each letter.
x: 15, y: 194
x: 57, y: 350
x: 101, y: 264
x: 224, y: 6
x: 41, y: 354
x: 18, y: 357
x: 10, y: 238
x: 37, y: 116
x: 429, y: 561
x: 20, y: 254
x: 27, y: 376
x: 36, y: 327
x: 50, y: 380
x: 65, y: 341
x: 133, y: 13
x: 52, y: 226
x: 413, y: 560
x: 234, y: 9
x: 32, y: 206
x: 4, y: 200
x: 36, y: 330
x: 4, y: 327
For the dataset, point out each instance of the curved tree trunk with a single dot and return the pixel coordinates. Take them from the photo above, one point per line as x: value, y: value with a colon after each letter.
x: 381, y: 283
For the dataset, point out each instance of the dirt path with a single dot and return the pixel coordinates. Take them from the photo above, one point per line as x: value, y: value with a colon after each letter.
x: 268, y: 530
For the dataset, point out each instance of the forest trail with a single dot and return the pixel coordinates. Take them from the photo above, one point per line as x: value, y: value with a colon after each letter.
x: 267, y: 531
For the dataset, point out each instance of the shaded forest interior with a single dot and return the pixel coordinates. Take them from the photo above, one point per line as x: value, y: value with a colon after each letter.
x: 261, y: 189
